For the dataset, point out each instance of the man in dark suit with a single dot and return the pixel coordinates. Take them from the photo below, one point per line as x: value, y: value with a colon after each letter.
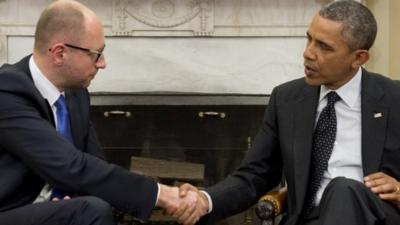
x: 359, y: 183
x: 35, y: 150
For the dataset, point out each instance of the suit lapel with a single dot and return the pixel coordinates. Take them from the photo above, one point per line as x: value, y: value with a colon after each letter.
x: 44, y: 106
x: 305, y: 111
x: 31, y: 90
x: 374, y: 119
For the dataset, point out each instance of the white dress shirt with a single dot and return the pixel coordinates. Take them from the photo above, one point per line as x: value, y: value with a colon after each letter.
x: 45, y: 87
x: 345, y: 160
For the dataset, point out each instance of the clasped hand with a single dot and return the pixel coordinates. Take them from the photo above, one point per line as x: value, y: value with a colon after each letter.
x: 185, y: 204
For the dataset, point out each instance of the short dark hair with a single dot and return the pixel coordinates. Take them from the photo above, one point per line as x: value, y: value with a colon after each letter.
x: 359, y: 24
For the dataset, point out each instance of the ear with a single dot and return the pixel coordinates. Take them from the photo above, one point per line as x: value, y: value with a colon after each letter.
x: 57, y: 52
x: 361, y: 57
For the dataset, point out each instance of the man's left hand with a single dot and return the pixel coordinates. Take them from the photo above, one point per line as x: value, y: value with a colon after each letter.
x: 385, y: 186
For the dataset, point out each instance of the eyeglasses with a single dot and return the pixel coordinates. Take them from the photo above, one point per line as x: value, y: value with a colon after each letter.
x: 91, y: 51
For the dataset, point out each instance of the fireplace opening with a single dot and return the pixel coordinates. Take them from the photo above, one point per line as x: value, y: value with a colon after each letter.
x: 209, y: 133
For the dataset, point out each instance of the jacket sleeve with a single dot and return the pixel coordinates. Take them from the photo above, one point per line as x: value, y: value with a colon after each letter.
x: 33, y: 140
x: 260, y: 171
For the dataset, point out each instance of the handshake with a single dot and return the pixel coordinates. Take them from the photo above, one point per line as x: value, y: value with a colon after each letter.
x: 185, y: 204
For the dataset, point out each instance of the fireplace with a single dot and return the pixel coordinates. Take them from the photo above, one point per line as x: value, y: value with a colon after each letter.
x: 210, y: 130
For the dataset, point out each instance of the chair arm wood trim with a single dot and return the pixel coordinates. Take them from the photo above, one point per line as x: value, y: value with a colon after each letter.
x: 278, y: 200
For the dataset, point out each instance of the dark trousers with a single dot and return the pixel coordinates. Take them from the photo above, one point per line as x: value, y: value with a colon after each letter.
x: 76, y: 211
x: 349, y: 202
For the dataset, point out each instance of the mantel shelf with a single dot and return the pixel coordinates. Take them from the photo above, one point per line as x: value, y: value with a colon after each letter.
x: 175, y: 98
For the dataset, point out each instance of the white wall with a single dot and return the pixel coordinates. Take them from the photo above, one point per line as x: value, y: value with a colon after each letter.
x: 206, y: 46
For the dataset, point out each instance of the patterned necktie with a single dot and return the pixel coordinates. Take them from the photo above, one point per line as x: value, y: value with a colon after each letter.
x: 63, y: 127
x: 323, y: 141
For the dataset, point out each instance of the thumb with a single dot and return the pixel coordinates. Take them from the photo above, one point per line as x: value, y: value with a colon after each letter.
x: 185, y: 188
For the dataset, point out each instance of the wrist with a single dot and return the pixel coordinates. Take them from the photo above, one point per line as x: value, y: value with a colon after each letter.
x: 164, y: 192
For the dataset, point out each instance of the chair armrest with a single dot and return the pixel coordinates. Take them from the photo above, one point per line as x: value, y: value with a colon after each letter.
x: 272, y: 204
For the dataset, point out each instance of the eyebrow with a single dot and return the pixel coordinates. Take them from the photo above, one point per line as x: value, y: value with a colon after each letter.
x: 319, y: 41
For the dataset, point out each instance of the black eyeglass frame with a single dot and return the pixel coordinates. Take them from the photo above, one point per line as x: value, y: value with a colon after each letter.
x: 92, y: 51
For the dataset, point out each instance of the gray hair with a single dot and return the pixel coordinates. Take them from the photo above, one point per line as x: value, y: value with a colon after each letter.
x: 359, y: 24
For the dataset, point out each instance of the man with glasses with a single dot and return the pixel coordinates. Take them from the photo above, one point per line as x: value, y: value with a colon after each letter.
x: 97, y: 53
x: 47, y: 140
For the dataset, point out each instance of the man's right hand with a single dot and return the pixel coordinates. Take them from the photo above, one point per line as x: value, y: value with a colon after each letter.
x: 185, y: 204
x: 190, y: 217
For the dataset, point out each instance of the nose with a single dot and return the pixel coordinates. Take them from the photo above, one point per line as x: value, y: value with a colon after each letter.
x: 101, y: 63
x: 309, y: 53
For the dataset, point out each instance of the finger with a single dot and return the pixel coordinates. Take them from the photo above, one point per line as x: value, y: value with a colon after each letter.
x: 396, y: 188
x: 383, y: 188
x: 173, y: 210
x: 178, y: 213
x: 186, y: 214
x: 169, y: 211
x: 378, y: 181
x: 187, y: 206
x: 389, y: 196
x: 374, y: 183
x: 55, y: 199
x: 192, y: 219
x: 67, y: 197
x: 374, y: 176
x: 201, y: 209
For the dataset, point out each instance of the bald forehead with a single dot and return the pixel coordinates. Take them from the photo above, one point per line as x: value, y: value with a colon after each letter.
x: 87, y: 15
x: 62, y: 21
x: 68, y: 7
x: 68, y: 3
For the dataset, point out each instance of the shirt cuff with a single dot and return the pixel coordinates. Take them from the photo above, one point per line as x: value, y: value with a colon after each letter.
x: 158, y: 193
x: 210, y: 204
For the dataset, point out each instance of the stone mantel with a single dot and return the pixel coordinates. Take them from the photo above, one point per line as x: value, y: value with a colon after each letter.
x: 177, y: 17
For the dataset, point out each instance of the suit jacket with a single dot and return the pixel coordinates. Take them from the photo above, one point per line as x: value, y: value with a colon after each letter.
x: 284, y: 143
x: 32, y: 152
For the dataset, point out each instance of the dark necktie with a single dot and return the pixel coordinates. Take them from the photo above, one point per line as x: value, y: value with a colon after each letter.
x: 63, y: 127
x: 323, y: 141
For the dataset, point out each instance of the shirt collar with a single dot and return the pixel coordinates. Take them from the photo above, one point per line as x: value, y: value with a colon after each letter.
x: 45, y: 87
x: 349, y: 92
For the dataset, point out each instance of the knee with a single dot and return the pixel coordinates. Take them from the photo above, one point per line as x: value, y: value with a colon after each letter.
x: 95, y: 209
x: 361, y: 203
x: 343, y: 183
x: 344, y: 186
x: 95, y: 204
